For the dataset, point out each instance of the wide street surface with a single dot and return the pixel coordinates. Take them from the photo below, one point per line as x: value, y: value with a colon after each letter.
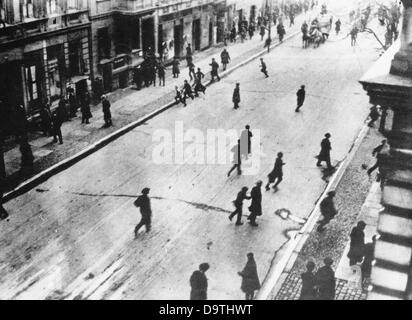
x: 72, y: 237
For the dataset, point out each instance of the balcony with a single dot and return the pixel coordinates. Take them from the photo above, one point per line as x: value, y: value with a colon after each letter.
x: 32, y: 26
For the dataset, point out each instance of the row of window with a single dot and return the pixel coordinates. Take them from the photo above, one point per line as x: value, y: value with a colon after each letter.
x: 34, y: 8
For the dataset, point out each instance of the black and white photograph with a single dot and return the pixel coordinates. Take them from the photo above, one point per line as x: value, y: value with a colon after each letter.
x: 227, y: 150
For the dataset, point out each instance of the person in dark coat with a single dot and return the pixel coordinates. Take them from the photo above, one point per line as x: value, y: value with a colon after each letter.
x: 45, y: 117
x: 369, y: 252
x: 72, y: 102
x: 262, y: 32
x: 143, y: 202
x: 256, y: 203
x: 277, y: 172
x: 338, y: 23
x: 373, y: 115
x: 251, y: 31
x: 250, y: 278
x: 377, y: 154
x: 225, y: 58
x: 239, y: 205
x: 198, y: 83
x: 57, y: 122
x: 198, y: 283
x: 236, y: 96
x: 324, y: 154
x: 233, y: 34
x: 189, y: 55
x: 175, y: 68
x: 308, y: 291
x: 187, y: 90
x: 138, y: 77
x: 263, y: 68
x: 327, y: 209
x: 161, y: 73
x: 357, y: 243
x: 281, y: 31
x: 300, y: 97
x: 215, y: 69
x: 180, y: 96
x: 107, y: 115
x: 325, y: 281
x: 85, y: 108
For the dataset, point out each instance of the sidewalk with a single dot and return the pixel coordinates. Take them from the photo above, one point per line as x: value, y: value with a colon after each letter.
x: 357, y: 198
x: 127, y: 105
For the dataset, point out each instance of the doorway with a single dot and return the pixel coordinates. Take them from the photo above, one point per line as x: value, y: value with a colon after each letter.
x: 148, y: 38
x: 178, y: 39
x: 196, y: 33
x: 210, y: 34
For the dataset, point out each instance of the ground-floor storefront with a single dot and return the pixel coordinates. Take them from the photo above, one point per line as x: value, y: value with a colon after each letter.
x: 41, y: 69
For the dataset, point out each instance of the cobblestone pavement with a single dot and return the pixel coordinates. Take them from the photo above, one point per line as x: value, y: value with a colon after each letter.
x: 128, y: 105
x: 351, y: 194
x: 293, y: 285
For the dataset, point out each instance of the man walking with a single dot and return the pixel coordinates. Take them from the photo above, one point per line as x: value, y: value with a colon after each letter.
x: 308, y: 291
x: 325, y: 281
x: 198, y: 82
x: 357, y: 243
x: 377, y: 154
x: 236, y: 96
x: 300, y: 97
x: 143, y: 202
x: 215, y: 69
x: 175, y: 68
x: 255, y: 207
x: 198, y: 283
x: 250, y: 278
x: 239, y: 206
x: 324, y: 154
x: 107, y: 115
x: 57, y: 122
x: 225, y: 58
x: 328, y: 210
x: 277, y: 172
x: 263, y: 68
x: 161, y: 73
x: 187, y: 90
x: 189, y: 57
x: 85, y: 108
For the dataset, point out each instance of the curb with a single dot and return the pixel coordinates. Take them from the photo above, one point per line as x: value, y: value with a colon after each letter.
x: 41, y: 177
x: 277, y: 274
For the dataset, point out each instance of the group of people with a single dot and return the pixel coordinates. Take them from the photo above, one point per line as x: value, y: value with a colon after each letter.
x: 51, y: 121
x: 249, y: 284
x: 150, y: 69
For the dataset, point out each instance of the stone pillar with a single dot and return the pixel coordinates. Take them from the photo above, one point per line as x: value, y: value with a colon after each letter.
x: 402, y: 62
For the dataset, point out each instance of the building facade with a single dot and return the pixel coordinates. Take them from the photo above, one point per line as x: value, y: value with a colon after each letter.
x: 44, y: 49
x: 123, y: 30
x: 389, y: 84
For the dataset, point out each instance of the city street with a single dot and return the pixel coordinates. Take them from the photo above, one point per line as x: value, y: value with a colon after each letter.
x: 72, y: 237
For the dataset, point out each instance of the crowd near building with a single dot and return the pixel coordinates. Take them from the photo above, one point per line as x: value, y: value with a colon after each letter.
x: 50, y: 48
